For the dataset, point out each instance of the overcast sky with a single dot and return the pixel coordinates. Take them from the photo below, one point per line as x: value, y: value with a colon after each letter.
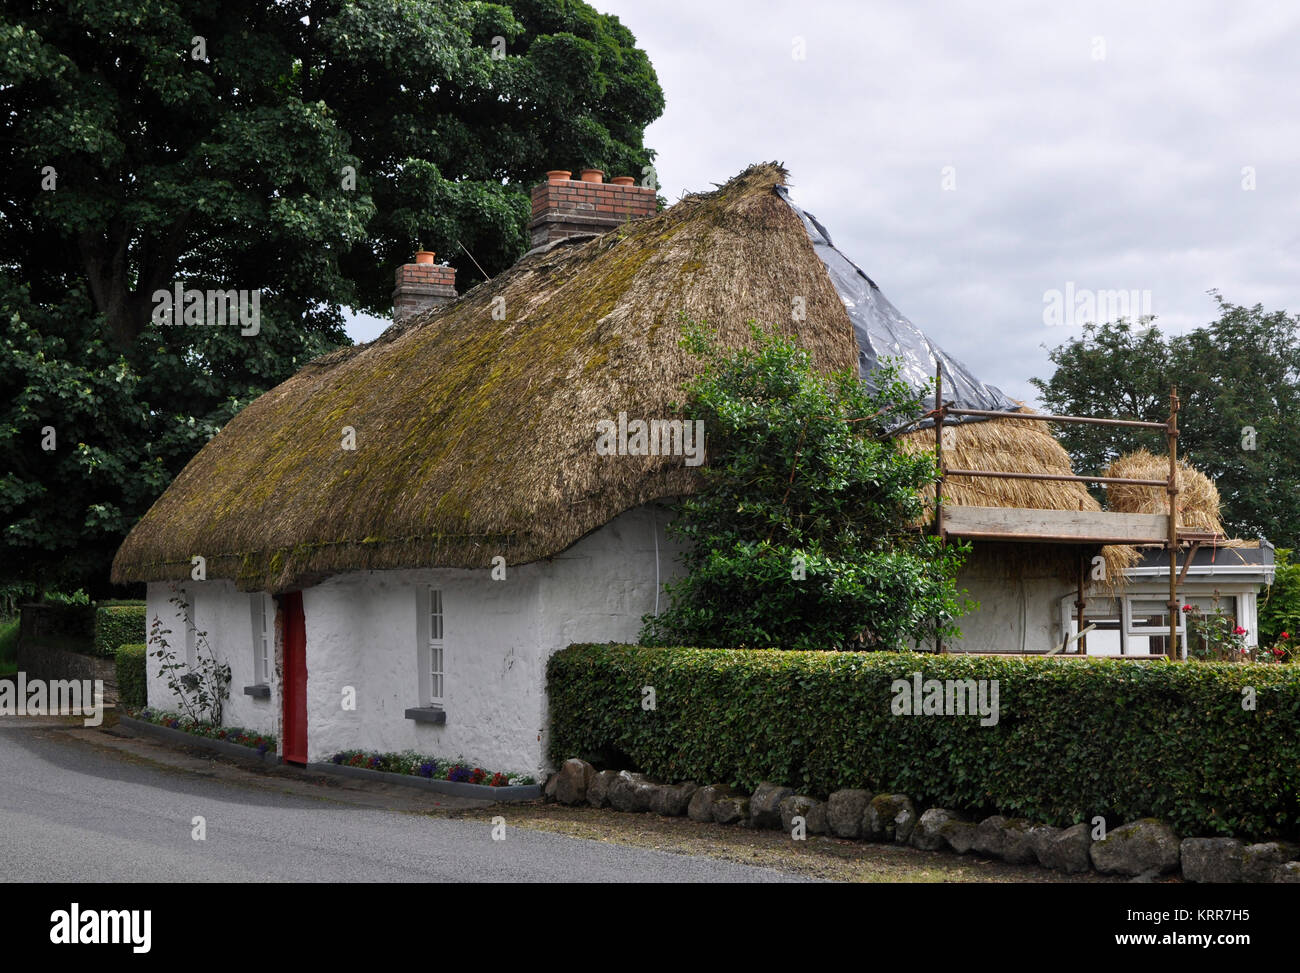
x: 1100, y: 144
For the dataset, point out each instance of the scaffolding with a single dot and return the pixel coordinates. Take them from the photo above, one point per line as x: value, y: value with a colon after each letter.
x: 1069, y: 527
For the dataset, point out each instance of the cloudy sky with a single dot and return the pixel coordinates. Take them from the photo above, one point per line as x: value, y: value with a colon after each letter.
x: 1104, y: 145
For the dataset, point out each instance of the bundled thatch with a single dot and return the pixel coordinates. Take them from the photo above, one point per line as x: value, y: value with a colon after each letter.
x: 1198, y: 497
x: 476, y: 437
x: 1018, y: 446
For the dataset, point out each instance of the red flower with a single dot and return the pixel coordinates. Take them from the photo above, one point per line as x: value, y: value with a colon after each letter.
x: 1284, y: 635
x: 1187, y: 608
x: 1238, y: 631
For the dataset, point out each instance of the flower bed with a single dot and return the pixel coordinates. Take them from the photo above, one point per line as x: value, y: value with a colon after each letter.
x: 431, y: 768
x: 261, y: 742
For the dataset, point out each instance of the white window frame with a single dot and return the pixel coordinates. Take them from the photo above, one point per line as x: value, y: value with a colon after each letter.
x: 432, y: 647
x: 1246, y: 602
x: 262, y: 618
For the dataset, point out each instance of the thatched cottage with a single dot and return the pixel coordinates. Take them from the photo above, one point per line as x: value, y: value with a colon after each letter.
x: 395, y: 539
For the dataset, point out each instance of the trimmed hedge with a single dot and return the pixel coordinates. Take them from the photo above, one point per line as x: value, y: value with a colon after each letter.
x: 119, y: 623
x: 131, y: 676
x: 1074, y: 739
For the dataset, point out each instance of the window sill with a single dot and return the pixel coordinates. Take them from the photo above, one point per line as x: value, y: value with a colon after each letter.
x: 427, y: 714
x: 260, y: 691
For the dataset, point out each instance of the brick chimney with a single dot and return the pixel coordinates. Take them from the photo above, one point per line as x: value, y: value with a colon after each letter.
x: 563, y: 206
x: 422, y: 285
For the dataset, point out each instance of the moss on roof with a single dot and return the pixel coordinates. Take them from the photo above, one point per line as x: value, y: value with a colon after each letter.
x: 475, y: 437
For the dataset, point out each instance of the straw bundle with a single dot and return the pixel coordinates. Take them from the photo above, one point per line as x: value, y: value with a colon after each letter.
x: 1198, y: 498
x: 1018, y: 446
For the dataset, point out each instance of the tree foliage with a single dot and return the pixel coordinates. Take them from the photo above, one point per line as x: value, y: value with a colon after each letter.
x: 799, y: 537
x: 1238, y: 380
x: 299, y: 149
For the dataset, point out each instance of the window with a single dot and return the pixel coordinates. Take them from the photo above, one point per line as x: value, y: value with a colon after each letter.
x: 1138, y: 624
x: 263, y: 616
x: 1105, y: 615
x: 431, y: 654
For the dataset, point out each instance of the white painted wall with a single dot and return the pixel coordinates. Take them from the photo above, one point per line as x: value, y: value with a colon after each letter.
x: 598, y: 589
x: 223, y: 620
x: 362, y: 633
x: 498, y: 635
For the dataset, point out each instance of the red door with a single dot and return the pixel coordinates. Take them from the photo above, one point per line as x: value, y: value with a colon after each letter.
x: 294, y: 688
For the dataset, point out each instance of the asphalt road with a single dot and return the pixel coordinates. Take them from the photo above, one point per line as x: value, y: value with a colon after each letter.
x: 72, y: 812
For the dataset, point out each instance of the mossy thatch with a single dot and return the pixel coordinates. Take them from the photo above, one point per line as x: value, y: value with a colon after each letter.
x: 475, y: 437
x: 1198, y: 498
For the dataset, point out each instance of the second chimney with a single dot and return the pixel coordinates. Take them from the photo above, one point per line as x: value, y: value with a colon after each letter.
x: 564, y: 207
x: 422, y: 285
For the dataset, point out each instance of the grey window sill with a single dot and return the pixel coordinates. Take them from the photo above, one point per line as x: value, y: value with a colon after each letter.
x: 426, y: 714
x: 260, y: 691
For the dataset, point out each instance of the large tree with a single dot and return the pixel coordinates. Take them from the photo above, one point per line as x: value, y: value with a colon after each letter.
x: 300, y: 150
x: 1238, y: 380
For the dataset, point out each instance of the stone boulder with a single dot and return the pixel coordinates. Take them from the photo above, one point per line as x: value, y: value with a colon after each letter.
x: 732, y: 810
x: 1211, y: 859
x: 1287, y: 872
x: 991, y: 836
x: 845, y: 811
x: 889, y: 817
x: 1040, y: 836
x: 928, y: 835
x: 572, y: 781
x: 630, y: 792
x: 1020, y: 839
x: 1260, y: 861
x: 810, y: 809
x: 1067, y: 850
x: 765, y: 805
x: 1146, y: 845
x: 598, y: 789
x: 548, y: 789
x: 959, y: 834
x: 700, y: 806
x: 672, y: 799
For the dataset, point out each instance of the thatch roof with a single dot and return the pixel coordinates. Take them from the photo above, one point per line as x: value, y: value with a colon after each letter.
x: 475, y: 437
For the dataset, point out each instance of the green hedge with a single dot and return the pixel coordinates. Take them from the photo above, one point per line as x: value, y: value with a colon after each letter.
x: 131, y: 676
x: 1074, y: 739
x: 119, y: 623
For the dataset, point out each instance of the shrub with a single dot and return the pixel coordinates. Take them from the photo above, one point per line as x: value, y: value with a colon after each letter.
x: 797, y: 537
x: 1074, y: 738
x: 119, y: 623
x: 131, y: 675
x: 1279, y: 607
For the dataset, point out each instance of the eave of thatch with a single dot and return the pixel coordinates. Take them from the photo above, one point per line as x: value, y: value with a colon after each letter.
x: 475, y: 436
